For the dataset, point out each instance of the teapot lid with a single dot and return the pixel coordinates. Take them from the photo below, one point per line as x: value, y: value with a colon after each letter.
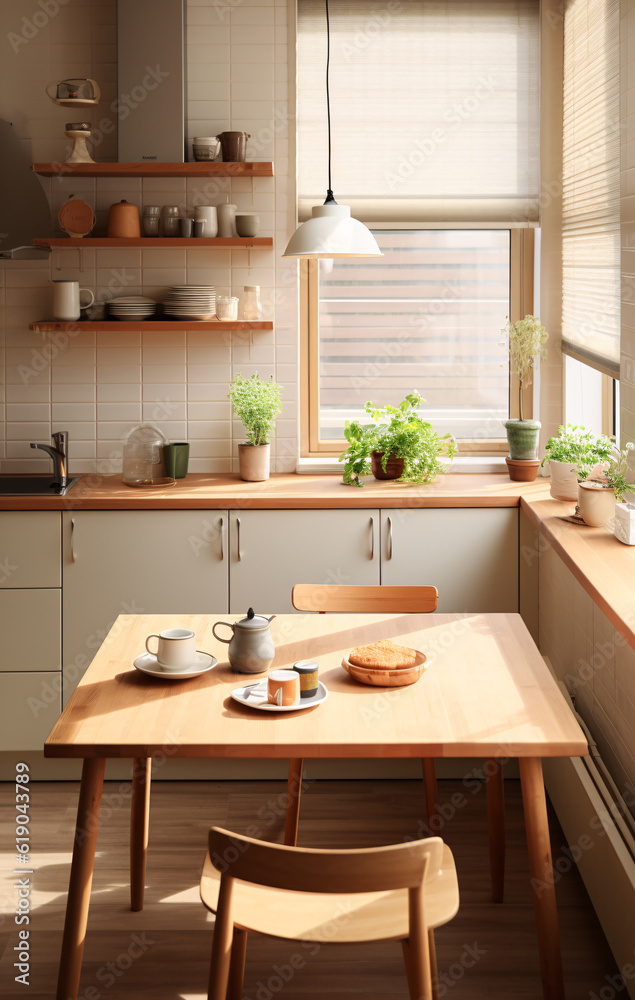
x: 252, y: 621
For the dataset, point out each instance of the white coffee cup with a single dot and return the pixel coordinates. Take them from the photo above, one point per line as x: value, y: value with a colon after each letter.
x: 176, y: 648
x: 207, y: 214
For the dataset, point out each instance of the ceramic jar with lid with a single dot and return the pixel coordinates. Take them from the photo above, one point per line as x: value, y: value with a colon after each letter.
x: 123, y: 221
x: 170, y: 220
x: 151, y: 219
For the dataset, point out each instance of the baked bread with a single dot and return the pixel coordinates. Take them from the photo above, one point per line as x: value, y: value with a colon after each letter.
x: 383, y: 655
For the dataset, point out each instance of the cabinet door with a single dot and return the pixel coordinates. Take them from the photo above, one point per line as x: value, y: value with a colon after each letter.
x: 29, y: 708
x: 470, y: 554
x: 271, y: 550
x: 137, y: 562
x: 30, y: 548
x: 31, y: 630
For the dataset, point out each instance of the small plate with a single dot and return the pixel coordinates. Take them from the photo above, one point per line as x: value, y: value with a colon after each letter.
x: 255, y: 696
x: 147, y: 664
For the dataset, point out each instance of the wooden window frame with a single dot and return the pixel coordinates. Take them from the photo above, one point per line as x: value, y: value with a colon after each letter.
x: 521, y: 298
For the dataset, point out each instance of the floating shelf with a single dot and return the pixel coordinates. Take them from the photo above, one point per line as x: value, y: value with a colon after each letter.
x: 55, y: 326
x: 215, y: 243
x: 205, y: 169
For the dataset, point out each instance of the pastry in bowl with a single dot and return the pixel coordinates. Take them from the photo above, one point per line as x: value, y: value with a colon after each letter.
x: 383, y: 655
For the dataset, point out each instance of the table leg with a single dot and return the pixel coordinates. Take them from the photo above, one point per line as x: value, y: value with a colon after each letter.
x: 495, y: 790
x: 81, y: 878
x: 139, y: 825
x: 294, y: 789
x: 431, y: 794
x: 542, y: 880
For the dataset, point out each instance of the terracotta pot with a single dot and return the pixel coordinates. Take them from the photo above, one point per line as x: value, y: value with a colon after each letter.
x: 522, y: 472
x: 394, y: 466
x: 254, y: 462
x: 597, y: 503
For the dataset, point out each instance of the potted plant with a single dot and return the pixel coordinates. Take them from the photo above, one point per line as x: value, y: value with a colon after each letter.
x: 399, y: 445
x: 526, y: 339
x: 575, y: 451
x: 596, y: 497
x: 257, y: 403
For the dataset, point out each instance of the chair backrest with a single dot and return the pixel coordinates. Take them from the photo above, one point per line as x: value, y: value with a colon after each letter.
x: 365, y: 600
x: 373, y: 869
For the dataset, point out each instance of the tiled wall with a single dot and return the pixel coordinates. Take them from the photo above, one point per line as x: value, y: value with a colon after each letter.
x: 627, y: 218
x: 98, y: 385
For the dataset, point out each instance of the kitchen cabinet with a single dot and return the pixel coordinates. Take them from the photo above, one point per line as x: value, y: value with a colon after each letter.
x: 31, y: 630
x: 29, y: 549
x: 470, y: 555
x: 30, y: 708
x: 136, y: 562
x: 271, y: 550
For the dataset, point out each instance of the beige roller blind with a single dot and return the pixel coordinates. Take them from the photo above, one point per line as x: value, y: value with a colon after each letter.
x: 591, y: 184
x: 434, y: 109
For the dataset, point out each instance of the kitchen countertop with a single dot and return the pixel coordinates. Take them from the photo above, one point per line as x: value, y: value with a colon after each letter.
x: 284, y: 491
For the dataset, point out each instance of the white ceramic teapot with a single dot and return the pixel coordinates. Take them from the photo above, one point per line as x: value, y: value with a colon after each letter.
x: 251, y: 648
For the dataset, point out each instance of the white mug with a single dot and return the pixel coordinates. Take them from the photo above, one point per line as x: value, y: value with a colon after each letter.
x: 176, y: 648
x: 207, y: 215
x: 226, y: 220
x: 66, y: 304
x: 283, y: 688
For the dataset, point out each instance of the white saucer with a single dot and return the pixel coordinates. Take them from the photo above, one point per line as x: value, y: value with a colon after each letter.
x: 255, y: 696
x: 147, y: 664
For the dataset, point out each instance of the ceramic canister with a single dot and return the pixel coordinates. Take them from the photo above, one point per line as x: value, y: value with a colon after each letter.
x: 308, y: 671
x: 123, y: 221
x: 226, y: 220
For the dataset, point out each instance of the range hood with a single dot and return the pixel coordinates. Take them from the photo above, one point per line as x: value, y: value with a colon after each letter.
x: 24, y: 208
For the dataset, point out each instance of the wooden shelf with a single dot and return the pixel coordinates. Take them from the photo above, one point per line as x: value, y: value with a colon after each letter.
x: 215, y: 243
x: 206, y: 169
x: 57, y: 326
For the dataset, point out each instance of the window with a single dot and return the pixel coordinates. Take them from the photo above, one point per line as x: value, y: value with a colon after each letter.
x: 435, y: 111
x: 591, y: 399
x: 591, y: 184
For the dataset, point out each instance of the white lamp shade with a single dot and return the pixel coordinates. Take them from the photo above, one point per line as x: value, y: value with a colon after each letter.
x: 331, y: 232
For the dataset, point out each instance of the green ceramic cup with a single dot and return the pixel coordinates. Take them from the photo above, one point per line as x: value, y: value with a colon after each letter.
x: 176, y: 458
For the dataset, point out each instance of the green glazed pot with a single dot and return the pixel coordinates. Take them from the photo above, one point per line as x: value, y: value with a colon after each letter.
x: 522, y: 437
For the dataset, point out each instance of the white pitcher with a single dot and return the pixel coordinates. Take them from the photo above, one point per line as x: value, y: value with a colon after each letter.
x: 66, y: 303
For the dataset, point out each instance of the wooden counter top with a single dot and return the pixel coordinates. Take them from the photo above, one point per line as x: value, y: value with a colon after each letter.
x: 284, y: 491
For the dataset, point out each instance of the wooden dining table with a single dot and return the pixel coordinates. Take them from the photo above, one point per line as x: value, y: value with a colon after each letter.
x: 486, y: 693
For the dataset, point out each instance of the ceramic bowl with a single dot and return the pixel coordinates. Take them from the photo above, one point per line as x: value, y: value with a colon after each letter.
x: 399, y: 677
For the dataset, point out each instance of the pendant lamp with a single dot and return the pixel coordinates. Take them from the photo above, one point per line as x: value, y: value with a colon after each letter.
x: 331, y: 231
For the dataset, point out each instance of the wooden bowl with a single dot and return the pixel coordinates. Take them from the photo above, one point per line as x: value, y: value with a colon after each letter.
x: 398, y: 677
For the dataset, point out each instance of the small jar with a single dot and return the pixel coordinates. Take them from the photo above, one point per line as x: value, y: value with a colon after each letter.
x: 226, y: 307
x: 252, y: 308
x: 170, y: 220
x: 150, y: 220
x: 309, y: 683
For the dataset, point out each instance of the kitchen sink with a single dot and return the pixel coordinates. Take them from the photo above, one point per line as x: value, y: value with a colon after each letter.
x: 34, y: 486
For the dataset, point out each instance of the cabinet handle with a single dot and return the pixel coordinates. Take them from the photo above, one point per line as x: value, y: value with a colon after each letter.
x: 240, y: 555
x: 222, y: 529
x: 389, y: 520
x: 73, y: 553
x: 372, y: 538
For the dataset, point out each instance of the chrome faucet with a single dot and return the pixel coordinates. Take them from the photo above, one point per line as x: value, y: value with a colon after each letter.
x: 59, y: 453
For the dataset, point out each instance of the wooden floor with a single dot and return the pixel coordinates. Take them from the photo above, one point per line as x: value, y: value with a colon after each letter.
x: 488, y: 951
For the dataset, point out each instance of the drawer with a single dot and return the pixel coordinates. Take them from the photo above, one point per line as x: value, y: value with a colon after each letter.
x: 30, y: 549
x: 29, y: 708
x: 30, y: 626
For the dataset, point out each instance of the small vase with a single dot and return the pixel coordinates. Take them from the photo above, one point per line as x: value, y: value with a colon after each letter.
x: 253, y: 462
x: 597, y: 503
x: 564, y: 480
x: 394, y: 466
x: 522, y: 437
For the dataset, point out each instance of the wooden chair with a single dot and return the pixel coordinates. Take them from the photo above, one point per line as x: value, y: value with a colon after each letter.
x: 396, y: 893
x: 396, y: 600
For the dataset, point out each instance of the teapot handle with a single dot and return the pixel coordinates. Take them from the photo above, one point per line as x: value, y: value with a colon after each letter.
x: 220, y: 638
x: 95, y: 88
x: 51, y: 97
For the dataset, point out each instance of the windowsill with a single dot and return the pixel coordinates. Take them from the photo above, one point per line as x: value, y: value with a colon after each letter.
x: 463, y: 463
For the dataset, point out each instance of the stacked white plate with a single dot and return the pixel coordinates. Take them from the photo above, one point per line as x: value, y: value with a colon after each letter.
x: 191, y: 302
x: 131, y: 307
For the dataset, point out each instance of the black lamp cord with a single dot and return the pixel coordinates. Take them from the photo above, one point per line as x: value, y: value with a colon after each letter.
x: 329, y: 194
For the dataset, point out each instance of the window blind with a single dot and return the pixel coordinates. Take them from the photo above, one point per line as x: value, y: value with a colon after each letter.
x: 591, y: 185
x: 435, y: 109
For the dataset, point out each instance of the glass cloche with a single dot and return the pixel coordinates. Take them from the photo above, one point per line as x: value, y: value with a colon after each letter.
x: 143, y: 462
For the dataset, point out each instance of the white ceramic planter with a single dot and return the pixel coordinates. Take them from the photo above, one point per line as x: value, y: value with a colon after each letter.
x: 597, y: 503
x: 254, y: 462
x: 564, y: 480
